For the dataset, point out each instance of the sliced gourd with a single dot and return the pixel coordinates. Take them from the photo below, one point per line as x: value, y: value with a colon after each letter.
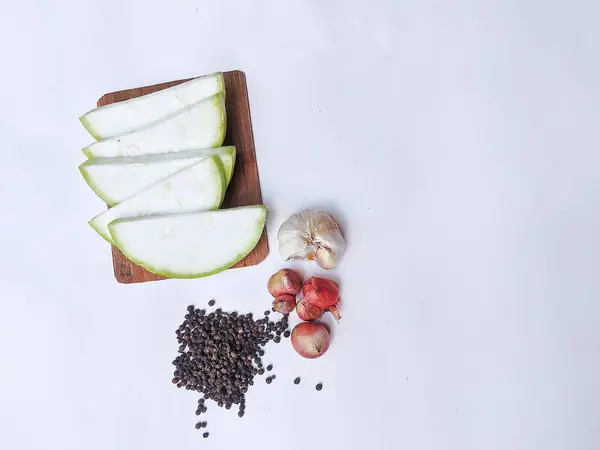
x: 201, y: 125
x: 130, y: 115
x: 200, y: 187
x: 190, y: 245
x: 116, y: 179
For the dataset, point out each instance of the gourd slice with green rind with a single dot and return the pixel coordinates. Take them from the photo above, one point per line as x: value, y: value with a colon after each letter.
x: 116, y: 179
x: 190, y: 245
x: 200, y: 187
x: 139, y: 112
x: 201, y: 125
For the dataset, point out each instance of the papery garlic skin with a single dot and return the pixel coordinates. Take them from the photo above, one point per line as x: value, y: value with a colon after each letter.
x: 312, y: 235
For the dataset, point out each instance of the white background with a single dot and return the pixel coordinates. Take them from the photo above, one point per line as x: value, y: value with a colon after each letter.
x: 457, y: 142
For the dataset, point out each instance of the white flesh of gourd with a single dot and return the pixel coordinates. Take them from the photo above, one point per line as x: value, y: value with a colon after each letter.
x: 201, y: 125
x: 116, y: 179
x: 130, y: 115
x: 196, y: 188
x: 190, y: 245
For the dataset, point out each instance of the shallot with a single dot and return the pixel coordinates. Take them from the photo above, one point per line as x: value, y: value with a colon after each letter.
x: 284, y: 282
x: 308, y: 311
x: 320, y: 295
x: 310, y: 340
x: 284, y: 304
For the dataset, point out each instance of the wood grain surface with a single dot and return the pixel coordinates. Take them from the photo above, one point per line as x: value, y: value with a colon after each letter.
x: 244, y: 188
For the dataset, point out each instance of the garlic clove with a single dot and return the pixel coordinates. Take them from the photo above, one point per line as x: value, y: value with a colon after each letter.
x: 325, y: 258
x: 312, y: 235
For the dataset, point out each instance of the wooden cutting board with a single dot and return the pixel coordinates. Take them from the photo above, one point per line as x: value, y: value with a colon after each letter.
x: 244, y: 188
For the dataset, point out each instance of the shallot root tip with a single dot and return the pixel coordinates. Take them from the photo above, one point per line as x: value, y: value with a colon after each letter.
x: 335, y: 311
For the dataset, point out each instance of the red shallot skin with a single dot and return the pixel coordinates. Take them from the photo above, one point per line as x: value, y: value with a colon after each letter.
x: 319, y: 293
x: 284, y: 282
x: 284, y: 304
x: 310, y: 340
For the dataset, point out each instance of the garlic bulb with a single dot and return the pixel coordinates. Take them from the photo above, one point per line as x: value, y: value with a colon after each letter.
x: 312, y: 235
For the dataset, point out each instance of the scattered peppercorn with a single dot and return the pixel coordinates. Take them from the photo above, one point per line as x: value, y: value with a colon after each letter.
x: 268, y: 380
x: 205, y: 435
x: 297, y: 380
x: 286, y: 334
x: 241, y: 413
x: 277, y: 339
x: 319, y: 386
x: 211, y: 303
x: 204, y: 424
x: 270, y: 367
x: 198, y: 426
x: 267, y: 312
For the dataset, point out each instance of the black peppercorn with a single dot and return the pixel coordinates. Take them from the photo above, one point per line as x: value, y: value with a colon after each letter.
x: 297, y: 380
x: 198, y: 426
x: 270, y: 367
x: 220, y: 353
x: 205, y: 435
x: 211, y: 302
x: 286, y: 334
x: 319, y: 386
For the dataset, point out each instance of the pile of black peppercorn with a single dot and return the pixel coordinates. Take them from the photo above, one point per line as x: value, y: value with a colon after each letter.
x: 220, y: 353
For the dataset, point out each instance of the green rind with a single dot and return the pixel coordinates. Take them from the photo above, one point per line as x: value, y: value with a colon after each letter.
x: 221, y: 81
x: 98, y: 230
x: 88, y: 154
x: 88, y: 127
x: 260, y: 225
x: 229, y: 175
x: 220, y: 102
x: 221, y: 173
x: 103, y: 196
